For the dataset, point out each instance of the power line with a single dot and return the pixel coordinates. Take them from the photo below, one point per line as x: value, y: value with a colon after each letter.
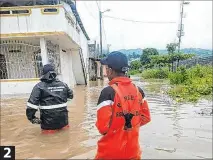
x: 98, y: 5
x: 89, y: 11
x: 135, y: 21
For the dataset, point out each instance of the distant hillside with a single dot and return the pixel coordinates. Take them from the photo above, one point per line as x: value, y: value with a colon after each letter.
x: 138, y: 51
x: 198, y: 51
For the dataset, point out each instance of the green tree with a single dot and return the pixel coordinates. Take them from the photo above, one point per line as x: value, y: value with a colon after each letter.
x: 161, y: 60
x: 171, y: 48
x: 135, y: 65
x: 145, y: 57
x: 181, y: 56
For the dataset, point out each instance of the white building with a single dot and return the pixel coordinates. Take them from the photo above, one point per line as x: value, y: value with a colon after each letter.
x: 37, y: 32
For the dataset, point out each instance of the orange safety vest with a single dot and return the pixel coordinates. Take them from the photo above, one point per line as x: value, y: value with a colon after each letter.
x: 129, y: 112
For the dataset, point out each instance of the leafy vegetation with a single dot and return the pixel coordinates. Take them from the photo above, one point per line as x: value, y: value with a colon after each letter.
x: 187, y: 84
x: 133, y: 72
x: 171, y: 49
x: 155, y: 73
x: 146, y: 57
x: 135, y: 65
x: 197, y: 51
x: 151, y: 58
x: 179, y: 77
x: 191, y: 84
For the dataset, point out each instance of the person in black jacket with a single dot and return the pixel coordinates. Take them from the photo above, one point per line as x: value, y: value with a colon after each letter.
x: 50, y: 97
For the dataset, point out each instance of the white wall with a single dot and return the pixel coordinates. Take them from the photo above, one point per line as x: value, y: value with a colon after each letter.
x: 77, y: 67
x: 71, y: 31
x: 69, y: 10
x: 85, y: 50
x: 67, y: 75
x: 38, y: 22
x: 71, y: 73
x: 17, y: 87
x: 35, y: 22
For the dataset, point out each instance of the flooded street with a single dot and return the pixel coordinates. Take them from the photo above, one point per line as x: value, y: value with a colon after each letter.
x: 176, y: 131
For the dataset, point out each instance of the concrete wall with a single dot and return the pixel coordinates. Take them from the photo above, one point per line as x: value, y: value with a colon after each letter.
x: 77, y: 67
x: 71, y: 73
x: 69, y: 10
x: 84, y: 46
x: 36, y: 21
x: 67, y: 75
x: 17, y: 87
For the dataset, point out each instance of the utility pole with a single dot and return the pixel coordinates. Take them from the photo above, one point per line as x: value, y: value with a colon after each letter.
x: 101, y: 55
x: 180, y: 28
x: 100, y: 24
x: 108, y: 45
x: 100, y: 21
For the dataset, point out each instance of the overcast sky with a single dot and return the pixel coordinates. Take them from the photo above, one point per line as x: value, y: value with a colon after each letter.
x: 126, y: 35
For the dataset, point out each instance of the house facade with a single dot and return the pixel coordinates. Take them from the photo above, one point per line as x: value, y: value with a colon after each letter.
x: 37, y: 32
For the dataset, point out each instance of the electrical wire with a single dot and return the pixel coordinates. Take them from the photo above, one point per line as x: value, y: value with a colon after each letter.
x: 90, y: 13
x: 135, y: 21
x: 98, y: 5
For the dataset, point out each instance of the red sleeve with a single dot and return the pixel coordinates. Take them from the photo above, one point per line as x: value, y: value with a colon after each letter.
x: 145, y: 113
x: 104, y: 115
x: 104, y: 110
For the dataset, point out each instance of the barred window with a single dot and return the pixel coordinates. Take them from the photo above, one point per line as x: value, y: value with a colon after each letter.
x: 4, y: 12
x: 50, y: 10
x: 20, y: 11
x: 19, y: 60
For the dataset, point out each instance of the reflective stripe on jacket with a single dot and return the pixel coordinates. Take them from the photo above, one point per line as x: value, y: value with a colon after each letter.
x: 50, y: 97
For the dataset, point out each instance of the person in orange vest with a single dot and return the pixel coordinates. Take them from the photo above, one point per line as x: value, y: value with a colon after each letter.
x: 121, y: 111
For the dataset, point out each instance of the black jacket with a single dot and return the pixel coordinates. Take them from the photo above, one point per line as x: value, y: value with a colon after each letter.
x: 108, y: 94
x: 50, y: 97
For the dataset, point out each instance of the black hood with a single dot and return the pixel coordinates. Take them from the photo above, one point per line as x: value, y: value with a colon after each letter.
x: 49, y: 77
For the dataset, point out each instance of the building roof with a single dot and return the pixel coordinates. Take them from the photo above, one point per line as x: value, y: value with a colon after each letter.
x: 74, y: 10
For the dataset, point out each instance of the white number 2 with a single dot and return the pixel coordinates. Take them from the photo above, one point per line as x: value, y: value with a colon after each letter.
x: 7, y: 155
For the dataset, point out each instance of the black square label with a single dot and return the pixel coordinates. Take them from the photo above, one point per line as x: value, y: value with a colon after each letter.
x: 7, y: 152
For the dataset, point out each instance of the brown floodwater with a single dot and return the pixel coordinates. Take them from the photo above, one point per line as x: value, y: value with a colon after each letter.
x: 176, y: 131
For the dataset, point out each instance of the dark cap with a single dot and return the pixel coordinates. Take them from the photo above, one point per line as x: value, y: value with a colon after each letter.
x: 47, y: 68
x: 117, y: 61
